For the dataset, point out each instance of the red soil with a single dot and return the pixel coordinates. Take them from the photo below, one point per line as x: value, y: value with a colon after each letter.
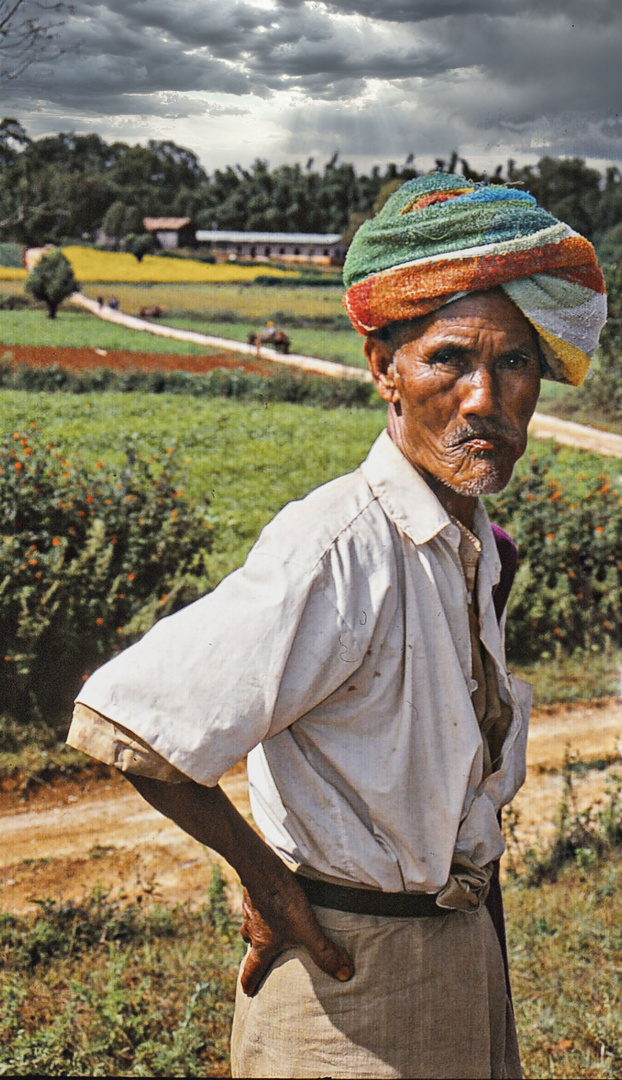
x: 118, y: 360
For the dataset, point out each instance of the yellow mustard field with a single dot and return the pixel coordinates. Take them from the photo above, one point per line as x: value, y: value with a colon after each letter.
x: 91, y: 265
x: 88, y: 264
x: 11, y: 273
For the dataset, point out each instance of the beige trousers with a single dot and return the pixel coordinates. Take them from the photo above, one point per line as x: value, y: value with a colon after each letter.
x: 427, y: 999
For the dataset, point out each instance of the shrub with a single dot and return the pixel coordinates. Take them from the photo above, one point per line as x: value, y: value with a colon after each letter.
x: 221, y: 382
x: 568, y: 589
x: 11, y: 255
x: 88, y: 561
x: 139, y: 245
x: 51, y: 280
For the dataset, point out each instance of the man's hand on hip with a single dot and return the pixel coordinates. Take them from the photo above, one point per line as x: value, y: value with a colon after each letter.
x: 281, y: 920
x: 277, y: 914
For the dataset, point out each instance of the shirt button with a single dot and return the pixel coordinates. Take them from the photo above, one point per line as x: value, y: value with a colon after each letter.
x: 473, y: 685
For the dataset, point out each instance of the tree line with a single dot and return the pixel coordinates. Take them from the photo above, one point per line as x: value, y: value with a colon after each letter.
x: 66, y: 187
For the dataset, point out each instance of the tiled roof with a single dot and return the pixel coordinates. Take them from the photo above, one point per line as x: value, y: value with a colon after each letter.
x: 153, y: 223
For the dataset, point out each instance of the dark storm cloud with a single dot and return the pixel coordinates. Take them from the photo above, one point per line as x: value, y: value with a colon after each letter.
x: 498, y: 72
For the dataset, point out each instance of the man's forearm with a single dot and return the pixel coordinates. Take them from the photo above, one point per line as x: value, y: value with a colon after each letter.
x: 277, y: 914
x: 208, y: 815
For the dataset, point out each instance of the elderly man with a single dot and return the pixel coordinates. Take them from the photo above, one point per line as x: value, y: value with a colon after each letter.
x: 357, y: 658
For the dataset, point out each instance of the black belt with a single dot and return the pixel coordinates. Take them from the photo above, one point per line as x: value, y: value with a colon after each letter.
x: 370, y: 901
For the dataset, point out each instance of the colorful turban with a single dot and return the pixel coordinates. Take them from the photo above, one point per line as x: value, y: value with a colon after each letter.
x: 440, y: 237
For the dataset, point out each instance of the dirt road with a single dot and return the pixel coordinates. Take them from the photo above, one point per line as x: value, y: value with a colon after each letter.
x: 69, y: 837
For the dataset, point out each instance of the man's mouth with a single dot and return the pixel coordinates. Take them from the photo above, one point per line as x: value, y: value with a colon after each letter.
x: 485, y: 440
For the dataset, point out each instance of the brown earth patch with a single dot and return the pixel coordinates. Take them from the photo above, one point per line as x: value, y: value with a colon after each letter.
x: 89, y: 359
x: 65, y: 836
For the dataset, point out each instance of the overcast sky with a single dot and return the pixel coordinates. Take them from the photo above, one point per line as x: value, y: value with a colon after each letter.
x: 375, y: 80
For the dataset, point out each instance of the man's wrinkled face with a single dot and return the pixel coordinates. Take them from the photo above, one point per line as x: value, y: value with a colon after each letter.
x: 464, y: 383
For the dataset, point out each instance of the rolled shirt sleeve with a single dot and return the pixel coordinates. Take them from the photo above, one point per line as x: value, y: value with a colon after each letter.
x: 105, y: 741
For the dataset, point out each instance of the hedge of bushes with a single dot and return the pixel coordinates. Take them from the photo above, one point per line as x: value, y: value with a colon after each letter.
x: 221, y: 382
x: 88, y: 561
x: 568, y: 589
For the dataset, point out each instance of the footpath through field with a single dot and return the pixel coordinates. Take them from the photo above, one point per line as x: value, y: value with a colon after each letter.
x: 542, y: 426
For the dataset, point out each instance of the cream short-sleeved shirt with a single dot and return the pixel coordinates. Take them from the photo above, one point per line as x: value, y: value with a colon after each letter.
x: 339, y: 658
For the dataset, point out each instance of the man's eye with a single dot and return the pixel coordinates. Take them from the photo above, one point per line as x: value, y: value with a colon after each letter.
x: 516, y: 361
x: 448, y: 355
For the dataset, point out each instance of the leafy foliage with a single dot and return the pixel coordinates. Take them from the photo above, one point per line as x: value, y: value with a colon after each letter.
x: 88, y: 560
x: 604, y: 389
x: 51, y: 280
x: 284, y: 386
x: 65, y: 186
x: 568, y: 589
x: 119, y: 220
x: 11, y: 255
x: 140, y: 244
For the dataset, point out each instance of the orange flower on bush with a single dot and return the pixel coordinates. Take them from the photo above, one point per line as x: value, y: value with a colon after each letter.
x: 56, y: 541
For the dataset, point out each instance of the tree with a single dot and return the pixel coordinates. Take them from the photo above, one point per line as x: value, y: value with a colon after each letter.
x: 140, y: 244
x: 119, y: 220
x: 51, y: 280
x: 27, y: 34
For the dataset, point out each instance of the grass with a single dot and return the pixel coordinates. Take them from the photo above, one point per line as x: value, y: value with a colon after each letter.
x: 570, y: 403
x: 565, y: 947
x: 77, y: 329
x: 340, y: 346
x: 335, y: 340
x: 106, y: 988
x: 581, y: 677
x: 563, y: 908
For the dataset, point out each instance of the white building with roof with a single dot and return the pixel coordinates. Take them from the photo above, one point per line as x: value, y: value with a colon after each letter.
x: 321, y: 248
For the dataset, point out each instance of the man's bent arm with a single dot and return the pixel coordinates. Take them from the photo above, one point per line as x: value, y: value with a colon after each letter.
x: 277, y: 914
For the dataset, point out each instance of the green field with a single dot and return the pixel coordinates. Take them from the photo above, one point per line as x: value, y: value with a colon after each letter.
x: 314, y: 319
x: 248, y: 459
x: 340, y: 346
x: 79, y: 330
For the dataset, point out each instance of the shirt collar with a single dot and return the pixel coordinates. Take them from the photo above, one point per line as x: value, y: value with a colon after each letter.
x: 410, y: 502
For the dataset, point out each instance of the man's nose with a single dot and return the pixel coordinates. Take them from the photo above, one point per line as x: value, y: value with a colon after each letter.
x: 480, y: 396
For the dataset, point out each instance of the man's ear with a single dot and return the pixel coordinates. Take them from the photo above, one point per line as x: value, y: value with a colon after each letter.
x: 380, y: 359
